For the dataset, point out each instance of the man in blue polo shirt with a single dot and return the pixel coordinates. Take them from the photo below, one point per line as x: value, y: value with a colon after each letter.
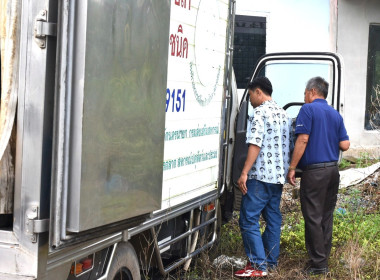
x: 320, y: 135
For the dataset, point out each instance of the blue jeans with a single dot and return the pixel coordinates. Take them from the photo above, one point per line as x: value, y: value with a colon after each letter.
x: 261, y: 198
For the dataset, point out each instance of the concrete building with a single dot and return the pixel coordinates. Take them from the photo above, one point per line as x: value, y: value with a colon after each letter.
x: 358, y: 41
x: 349, y: 27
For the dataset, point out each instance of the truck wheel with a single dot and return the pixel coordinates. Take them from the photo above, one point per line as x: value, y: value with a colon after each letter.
x: 125, y: 265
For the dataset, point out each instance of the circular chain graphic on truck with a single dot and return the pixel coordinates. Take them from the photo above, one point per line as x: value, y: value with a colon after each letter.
x: 205, y: 71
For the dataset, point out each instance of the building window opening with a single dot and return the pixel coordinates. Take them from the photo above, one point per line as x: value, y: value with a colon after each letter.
x: 372, y: 112
x: 249, y: 46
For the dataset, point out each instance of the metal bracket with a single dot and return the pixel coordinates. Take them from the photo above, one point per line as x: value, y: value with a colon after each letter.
x: 42, y: 28
x: 126, y: 236
x: 33, y: 226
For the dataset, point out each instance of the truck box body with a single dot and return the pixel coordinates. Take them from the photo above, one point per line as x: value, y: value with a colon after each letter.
x: 194, y: 99
x: 119, y: 132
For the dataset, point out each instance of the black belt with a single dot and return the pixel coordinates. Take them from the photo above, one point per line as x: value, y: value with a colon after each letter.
x: 320, y: 165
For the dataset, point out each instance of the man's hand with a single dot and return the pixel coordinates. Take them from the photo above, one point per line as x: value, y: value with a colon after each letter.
x: 242, y: 183
x: 299, y: 149
x: 291, y: 177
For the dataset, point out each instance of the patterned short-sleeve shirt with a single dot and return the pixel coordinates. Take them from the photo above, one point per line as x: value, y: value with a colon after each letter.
x: 269, y: 129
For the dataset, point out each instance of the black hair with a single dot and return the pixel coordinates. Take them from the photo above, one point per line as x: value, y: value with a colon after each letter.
x: 262, y: 83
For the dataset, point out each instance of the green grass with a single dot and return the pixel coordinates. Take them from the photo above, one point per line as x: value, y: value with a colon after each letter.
x: 344, y: 164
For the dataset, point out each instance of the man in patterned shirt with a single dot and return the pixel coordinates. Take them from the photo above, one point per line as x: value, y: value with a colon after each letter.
x: 262, y: 179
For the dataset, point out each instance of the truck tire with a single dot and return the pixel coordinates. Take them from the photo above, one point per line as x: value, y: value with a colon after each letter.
x: 125, y: 265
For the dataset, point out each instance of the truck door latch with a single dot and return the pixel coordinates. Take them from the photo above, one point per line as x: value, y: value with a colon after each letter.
x: 43, y: 28
x: 33, y: 225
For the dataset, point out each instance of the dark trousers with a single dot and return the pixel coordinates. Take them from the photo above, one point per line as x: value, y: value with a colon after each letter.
x: 318, y: 194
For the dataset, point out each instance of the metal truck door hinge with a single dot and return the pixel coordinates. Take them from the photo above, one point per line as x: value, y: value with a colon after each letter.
x: 42, y: 28
x: 33, y: 225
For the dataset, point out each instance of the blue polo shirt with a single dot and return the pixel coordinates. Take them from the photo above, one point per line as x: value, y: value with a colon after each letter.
x: 325, y: 128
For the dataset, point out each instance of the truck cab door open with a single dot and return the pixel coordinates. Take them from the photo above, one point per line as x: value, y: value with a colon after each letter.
x: 288, y: 73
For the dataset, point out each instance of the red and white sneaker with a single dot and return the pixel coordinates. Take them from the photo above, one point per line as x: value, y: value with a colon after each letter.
x: 249, y: 272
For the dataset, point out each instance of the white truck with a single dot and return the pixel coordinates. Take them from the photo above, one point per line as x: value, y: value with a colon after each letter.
x: 113, y: 129
x: 117, y: 129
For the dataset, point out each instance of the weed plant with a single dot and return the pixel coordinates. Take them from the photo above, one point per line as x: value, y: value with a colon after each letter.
x: 344, y: 164
x: 364, y: 160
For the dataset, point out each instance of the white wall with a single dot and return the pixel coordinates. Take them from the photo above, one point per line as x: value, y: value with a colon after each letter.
x: 354, y: 18
x: 292, y: 25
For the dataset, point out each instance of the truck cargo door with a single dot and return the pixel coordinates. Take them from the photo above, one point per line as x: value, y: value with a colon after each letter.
x: 288, y: 73
x: 110, y: 113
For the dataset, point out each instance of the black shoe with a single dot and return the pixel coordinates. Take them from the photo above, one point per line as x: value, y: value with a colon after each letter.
x: 316, y: 271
